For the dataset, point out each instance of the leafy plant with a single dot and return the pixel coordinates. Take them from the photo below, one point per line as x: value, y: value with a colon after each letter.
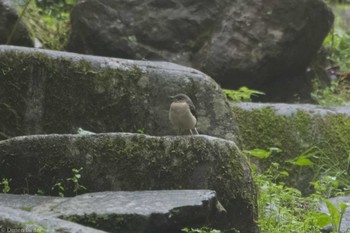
x: 5, y: 183
x: 285, y: 209
x: 327, y: 186
x: 48, y: 23
x: 242, y: 94
x: 201, y: 230
x: 140, y: 131
x: 59, y: 187
x: 328, y: 96
x: 305, y: 158
x: 75, y: 179
x: 334, y: 217
x: 263, y: 154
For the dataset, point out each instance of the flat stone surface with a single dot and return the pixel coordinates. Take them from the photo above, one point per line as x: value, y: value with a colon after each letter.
x: 137, y: 202
x: 25, y: 202
x: 134, y: 212
x: 15, y: 220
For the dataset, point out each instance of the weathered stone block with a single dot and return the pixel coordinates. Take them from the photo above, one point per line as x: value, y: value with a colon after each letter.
x: 129, y: 162
x: 44, y: 91
x: 128, y: 212
x: 15, y: 220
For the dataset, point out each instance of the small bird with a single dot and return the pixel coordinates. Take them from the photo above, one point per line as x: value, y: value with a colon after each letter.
x: 182, y: 113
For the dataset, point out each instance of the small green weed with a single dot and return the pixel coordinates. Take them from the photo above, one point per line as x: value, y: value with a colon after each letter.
x: 201, y: 230
x: 243, y: 94
x: 59, y: 187
x: 74, y: 180
x: 207, y: 230
x: 140, y: 131
x: 5, y: 183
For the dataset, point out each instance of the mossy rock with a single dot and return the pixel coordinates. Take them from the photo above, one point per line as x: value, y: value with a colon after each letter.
x: 44, y: 92
x: 298, y: 129
x: 129, y: 162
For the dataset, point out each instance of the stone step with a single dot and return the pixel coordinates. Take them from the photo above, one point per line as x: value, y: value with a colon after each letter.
x: 128, y: 212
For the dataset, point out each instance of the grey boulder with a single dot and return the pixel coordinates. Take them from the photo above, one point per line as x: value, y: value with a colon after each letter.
x: 266, y: 45
x: 131, y: 162
x: 43, y: 92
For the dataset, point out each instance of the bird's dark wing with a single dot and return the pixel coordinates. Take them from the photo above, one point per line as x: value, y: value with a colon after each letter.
x: 193, y: 109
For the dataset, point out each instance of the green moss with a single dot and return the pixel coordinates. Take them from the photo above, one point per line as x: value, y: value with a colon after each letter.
x: 263, y: 128
x: 27, y: 208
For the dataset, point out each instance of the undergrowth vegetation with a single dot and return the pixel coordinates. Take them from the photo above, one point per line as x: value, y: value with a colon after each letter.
x: 47, y: 20
x: 337, y: 47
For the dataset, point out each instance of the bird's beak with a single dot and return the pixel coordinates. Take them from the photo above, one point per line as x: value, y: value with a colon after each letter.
x: 171, y: 97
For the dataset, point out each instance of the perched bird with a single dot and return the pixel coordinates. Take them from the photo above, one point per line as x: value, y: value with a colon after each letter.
x: 182, y: 113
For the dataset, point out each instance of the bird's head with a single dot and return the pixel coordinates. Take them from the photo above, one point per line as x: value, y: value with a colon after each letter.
x: 181, y: 98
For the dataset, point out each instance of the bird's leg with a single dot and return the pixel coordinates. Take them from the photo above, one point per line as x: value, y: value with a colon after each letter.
x: 196, y: 130
x: 191, y: 132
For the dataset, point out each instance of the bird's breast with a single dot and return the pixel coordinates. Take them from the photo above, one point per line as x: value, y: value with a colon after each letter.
x: 181, y: 116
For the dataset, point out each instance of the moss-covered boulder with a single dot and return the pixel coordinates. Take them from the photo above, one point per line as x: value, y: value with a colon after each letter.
x: 128, y: 162
x: 44, y: 91
x: 319, y: 134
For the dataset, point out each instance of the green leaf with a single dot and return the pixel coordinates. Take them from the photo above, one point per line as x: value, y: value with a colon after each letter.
x: 343, y: 206
x: 284, y: 173
x: 301, y: 161
x: 322, y: 219
x: 334, y: 213
x: 259, y: 153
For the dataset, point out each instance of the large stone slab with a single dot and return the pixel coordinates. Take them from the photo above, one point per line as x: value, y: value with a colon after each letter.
x: 44, y: 91
x: 129, y: 162
x: 130, y: 212
x: 15, y: 220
